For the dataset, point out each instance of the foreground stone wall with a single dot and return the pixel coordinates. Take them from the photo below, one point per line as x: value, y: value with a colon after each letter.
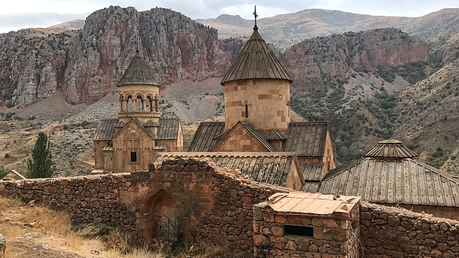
x: 331, y: 236
x: 209, y: 203
x: 391, y: 232
x: 216, y: 205
x: 86, y: 197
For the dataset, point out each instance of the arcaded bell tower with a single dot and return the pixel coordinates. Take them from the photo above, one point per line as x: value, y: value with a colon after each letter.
x: 257, y: 88
x: 138, y: 93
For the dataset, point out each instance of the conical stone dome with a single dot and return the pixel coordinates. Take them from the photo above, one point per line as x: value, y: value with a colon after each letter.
x: 390, y: 149
x: 256, y: 61
x: 137, y: 72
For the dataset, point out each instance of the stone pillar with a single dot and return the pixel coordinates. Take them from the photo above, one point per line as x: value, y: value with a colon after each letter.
x: 156, y: 104
x: 121, y: 106
x: 144, y: 107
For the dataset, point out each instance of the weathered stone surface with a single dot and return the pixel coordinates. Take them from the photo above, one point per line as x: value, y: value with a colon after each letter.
x: 2, y: 245
x: 260, y: 240
x: 86, y: 64
x: 338, y: 54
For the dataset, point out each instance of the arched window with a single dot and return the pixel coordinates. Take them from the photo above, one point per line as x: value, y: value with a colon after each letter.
x: 130, y: 104
x: 138, y: 104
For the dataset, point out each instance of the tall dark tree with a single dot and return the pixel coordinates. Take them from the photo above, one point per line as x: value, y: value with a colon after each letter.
x: 41, y: 165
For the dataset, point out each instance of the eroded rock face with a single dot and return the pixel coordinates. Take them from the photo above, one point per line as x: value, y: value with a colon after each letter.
x: 339, y: 54
x: 87, y: 63
x: 2, y: 245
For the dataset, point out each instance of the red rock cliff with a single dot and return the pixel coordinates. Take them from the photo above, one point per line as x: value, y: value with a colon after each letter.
x: 87, y: 63
x: 338, y: 54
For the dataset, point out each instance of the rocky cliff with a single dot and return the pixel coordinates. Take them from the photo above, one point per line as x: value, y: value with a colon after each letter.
x: 86, y: 64
x: 341, y: 54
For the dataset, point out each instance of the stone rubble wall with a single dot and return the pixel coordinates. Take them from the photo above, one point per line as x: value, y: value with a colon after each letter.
x: 217, y: 205
x: 86, y: 197
x: 392, y: 232
x: 332, y: 237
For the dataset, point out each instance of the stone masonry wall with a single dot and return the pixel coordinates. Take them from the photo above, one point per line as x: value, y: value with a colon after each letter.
x: 231, y: 217
x: 216, y: 205
x: 332, y: 236
x: 212, y: 204
x: 86, y: 197
x: 392, y: 232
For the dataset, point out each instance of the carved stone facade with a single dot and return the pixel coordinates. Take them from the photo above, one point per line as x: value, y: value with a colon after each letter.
x: 262, y: 102
x: 130, y: 143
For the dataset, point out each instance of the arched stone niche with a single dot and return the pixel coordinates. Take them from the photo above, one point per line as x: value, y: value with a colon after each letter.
x: 160, y: 221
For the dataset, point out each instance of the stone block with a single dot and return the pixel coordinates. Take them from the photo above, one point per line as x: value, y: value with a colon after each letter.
x: 268, y: 217
x: 318, y: 222
x: 277, y: 231
x: 281, y: 219
x: 291, y: 245
x: 331, y: 223
x: 294, y: 220
x: 260, y: 240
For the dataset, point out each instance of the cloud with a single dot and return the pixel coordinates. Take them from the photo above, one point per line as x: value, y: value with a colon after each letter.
x: 44, y: 13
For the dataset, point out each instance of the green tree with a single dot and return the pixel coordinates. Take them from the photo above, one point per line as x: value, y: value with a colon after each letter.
x: 3, y: 172
x: 41, y: 165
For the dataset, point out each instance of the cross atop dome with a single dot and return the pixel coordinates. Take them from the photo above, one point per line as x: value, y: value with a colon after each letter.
x: 255, y: 15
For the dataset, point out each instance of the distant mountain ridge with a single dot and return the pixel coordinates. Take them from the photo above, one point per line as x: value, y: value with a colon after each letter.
x: 285, y: 30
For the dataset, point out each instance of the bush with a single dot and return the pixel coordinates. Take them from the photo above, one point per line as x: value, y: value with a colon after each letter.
x: 3, y: 172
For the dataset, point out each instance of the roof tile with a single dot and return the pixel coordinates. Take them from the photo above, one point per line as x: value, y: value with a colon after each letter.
x: 256, y: 61
x: 402, y: 181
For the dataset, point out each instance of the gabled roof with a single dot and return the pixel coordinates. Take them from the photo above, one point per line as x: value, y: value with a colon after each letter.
x: 390, y: 149
x: 250, y: 129
x: 402, y: 181
x: 137, y: 72
x: 256, y: 61
x: 168, y: 128
x: 306, y: 138
x: 274, y: 135
x: 312, y: 173
x: 134, y: 120
x: 151, y: 124
x: 265, y: 167
x: 205, y: 137
x: 106, y: 129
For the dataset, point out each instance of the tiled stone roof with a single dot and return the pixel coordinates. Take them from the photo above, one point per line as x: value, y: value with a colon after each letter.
x: 106, y: 129
x: 274, y: 135
x: 396, y: 181
x: 137, y: 72
x: 265, y: 167
x: 306, y: 138
x: 168, y: 128
x: 312, y: 173
x: 256, y: 61
x: 135, y: 120
x: 206, y: 135
x: 390, y: 149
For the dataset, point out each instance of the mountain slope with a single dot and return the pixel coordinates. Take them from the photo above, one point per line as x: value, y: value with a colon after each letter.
x: 86, y: 64
x: 287, y: 29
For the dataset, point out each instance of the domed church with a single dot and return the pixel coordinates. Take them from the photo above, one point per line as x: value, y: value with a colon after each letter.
x: 130, y: 142
x: 257, y: 116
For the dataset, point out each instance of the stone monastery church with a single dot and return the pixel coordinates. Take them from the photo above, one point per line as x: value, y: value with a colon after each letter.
x: 257, y: 138
x: 130, y: 142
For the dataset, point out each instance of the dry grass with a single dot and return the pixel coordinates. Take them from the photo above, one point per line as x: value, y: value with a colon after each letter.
x: 56, y: 229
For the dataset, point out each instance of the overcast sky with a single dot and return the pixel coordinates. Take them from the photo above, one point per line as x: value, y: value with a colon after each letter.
x: 17, y: 14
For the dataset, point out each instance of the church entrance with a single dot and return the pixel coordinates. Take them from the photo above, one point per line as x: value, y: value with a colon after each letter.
x: 160, y: 224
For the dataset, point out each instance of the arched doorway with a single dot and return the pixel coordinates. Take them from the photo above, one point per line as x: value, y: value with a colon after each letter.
x: 160, y: 222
